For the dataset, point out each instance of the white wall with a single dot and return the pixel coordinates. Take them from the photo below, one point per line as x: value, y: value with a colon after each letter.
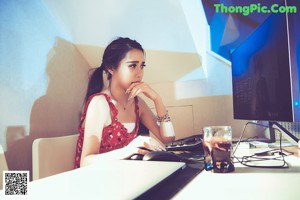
x: 42, y: 79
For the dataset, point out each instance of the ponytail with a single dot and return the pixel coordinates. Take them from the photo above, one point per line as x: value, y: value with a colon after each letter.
x: 95, y: 83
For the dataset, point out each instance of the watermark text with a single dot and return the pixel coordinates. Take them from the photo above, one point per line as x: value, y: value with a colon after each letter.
x: 254, y: 8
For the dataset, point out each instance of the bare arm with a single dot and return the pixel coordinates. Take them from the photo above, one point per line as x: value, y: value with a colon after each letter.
x: 166, y: 129
x: 163, y: 131
x: 97, y: 116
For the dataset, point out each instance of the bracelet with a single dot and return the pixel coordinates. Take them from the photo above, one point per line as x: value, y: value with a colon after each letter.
x: 165, y: 118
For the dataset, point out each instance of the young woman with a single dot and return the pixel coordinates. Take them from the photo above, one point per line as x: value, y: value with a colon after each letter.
x: 110, y: 119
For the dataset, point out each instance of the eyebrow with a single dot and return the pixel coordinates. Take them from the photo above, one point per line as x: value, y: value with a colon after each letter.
x: 135, y: 62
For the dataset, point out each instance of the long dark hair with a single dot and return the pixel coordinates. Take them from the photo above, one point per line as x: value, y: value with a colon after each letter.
x: 112, y: 56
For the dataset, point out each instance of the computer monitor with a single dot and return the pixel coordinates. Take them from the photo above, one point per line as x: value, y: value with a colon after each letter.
x: 266, y: 69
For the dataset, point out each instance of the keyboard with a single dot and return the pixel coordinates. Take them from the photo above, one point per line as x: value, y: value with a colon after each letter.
x: 191, y: 143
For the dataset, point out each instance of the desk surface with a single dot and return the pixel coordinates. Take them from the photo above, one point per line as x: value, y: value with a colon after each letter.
x: 129, y: 179
x: 120, y: 179
x: 247, y: 183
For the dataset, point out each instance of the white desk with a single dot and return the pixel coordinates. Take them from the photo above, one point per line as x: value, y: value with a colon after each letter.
x: 129, y: 179
x: 247, y: 183
x: 111, y: 180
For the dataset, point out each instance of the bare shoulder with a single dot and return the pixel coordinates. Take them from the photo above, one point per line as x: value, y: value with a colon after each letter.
x: 99, y: 101
x: 98, y: 112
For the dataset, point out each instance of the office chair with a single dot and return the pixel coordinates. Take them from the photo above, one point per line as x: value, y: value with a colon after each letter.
x: 54, y: 155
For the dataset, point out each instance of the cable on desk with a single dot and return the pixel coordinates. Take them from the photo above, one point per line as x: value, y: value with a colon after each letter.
x: 257, y: 156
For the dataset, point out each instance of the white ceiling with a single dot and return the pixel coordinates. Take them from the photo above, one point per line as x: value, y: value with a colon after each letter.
x: 156, y: 24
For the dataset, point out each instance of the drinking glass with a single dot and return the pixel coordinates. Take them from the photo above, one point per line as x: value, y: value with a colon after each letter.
x: 217, y: 144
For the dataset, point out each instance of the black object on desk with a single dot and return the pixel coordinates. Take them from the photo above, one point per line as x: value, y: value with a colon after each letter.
x: 170, y: 186
x: 186, y: 150
x: 162, y: 156
x: 189, y: 148
x: 191, y: 143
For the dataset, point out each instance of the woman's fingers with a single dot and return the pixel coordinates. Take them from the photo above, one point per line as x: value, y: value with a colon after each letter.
x: 142, y: 151
x: 134, y: 93
x: 144, y: 145
x: 153, y: 146
x: 140, y: 87
x: 157, y: 144
x: 130, y: 88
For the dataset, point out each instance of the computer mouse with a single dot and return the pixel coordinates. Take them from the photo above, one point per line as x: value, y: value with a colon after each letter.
x: 136, y: 157
x: 162, y: 156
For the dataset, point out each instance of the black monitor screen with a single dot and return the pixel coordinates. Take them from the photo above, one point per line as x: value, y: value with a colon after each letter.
x: 261, y: 73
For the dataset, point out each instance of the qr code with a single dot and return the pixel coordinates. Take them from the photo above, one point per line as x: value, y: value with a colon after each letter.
x: 15, y: 182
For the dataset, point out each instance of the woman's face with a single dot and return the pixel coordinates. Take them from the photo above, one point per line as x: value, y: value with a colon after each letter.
x: 130, y: 69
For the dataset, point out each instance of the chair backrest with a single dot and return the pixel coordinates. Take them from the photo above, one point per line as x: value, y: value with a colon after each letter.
x: 3, y: 166
x: 53, y: 155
